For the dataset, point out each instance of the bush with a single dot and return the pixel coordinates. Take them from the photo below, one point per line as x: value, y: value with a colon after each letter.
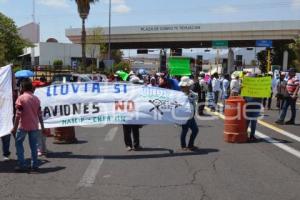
x: 57, y: 64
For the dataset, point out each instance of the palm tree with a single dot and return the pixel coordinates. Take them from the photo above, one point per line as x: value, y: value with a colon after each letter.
x: 83, y: 11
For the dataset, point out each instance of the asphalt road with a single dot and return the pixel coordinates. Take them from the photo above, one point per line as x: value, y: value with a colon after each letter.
x: 99, y: 167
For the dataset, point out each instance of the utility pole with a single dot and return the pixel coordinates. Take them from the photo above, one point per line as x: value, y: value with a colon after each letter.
x: 32, y: 49
x: 33, y: 11
x: 109, y: 36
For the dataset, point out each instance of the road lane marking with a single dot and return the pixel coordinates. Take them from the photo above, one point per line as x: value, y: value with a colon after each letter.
x: 89, y: 177
x: 281, y: 131
x: 278, y: 144
x: 111, y: 134
x: 268, y: 139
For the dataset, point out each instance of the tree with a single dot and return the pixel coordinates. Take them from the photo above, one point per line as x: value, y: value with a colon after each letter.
x: 296, y: 48
x: 83, y: 7
x: 95, y: 42
x: 278, y: 54
x: 117, y: 55
x: 11, y: 44
x: 263, y: 62
x: 58, y: 64
x: 123, y: 65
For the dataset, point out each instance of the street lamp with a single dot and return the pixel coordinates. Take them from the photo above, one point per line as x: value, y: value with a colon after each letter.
x: 109, y: 32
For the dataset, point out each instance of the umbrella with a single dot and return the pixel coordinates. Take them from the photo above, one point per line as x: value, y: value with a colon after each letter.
x: 24, y: 74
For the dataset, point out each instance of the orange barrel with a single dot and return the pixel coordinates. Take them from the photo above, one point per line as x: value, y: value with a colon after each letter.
x: 235, y: 130
x: 64, y: 135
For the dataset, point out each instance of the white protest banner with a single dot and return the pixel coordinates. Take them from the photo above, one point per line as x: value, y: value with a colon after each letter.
x: 77, y: 104
x: 6, y: 101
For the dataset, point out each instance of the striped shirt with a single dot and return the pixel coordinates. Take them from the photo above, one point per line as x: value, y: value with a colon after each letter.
x: 292, y: 84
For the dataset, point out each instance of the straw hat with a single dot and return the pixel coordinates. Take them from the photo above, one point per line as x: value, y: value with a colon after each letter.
x: 185, y: 82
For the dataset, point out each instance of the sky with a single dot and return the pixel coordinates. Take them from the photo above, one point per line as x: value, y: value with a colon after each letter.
x: 55, y: 16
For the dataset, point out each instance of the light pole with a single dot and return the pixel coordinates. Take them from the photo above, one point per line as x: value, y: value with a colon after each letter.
x: 109, y: 35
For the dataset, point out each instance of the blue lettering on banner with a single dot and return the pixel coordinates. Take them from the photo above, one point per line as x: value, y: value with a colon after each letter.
x: 96, y: 87
x: 74, y: 88
x: 120, y: 88
x: 66, y: 91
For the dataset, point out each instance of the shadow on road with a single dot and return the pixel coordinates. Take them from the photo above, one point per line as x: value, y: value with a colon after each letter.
x: 9, y: 166
x: 134, y: 155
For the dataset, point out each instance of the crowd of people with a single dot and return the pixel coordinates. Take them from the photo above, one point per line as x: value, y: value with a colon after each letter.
x: 28, y: 111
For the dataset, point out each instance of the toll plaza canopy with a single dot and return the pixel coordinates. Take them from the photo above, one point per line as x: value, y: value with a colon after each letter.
x: 241, y: 34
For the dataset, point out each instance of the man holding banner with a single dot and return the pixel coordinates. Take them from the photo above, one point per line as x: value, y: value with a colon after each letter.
x: 6, y: 108
x: 254, y: 89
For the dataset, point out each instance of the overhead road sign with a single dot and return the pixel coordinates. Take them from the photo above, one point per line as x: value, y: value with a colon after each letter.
x: 264, y: 43
x: 220, y: 44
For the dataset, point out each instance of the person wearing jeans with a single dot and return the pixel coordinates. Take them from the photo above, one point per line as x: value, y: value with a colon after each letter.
x: 5, y: 146
x: 289, y: 101
x: 292, y: 87
x: 185, y: 128
x: 28, y: 117
x: 33, y: 139
x: 185, y: 85
x: 253, y: 108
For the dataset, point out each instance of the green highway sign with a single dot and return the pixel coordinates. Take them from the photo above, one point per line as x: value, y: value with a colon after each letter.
x: 219, y: 44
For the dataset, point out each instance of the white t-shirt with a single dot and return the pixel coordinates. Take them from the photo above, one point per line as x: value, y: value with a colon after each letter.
x: 216, y: 85
x: 235, y: 86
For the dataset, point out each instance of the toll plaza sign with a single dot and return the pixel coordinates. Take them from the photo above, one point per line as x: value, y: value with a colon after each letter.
x: 264, y: 43
x: 220, y: 44
x: 77, y: 104
x: 170, y: 28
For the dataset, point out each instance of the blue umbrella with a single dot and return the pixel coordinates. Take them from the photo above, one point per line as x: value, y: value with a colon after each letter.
x: 24, y: 74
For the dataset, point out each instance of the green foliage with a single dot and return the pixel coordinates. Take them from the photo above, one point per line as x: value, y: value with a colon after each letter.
x: 58, y: 64
x: 296, y: 48
x: 124, y: 66
x: 16, y: 68
x: 262, y: 58
x: 117, y: 55
x: 278, y: 54
x: 11, y: 44
x: 83, y: 7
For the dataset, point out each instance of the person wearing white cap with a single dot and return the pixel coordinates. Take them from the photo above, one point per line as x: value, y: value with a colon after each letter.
x: 185, y: 85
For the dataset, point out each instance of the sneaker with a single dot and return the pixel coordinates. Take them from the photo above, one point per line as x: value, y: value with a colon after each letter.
x: 128, y: 148
x: 280, y: 122
x: 290, y: 123
x: 40, y: 153
x: 137, y: 148
x: 193, y: 148
x: 6, y: 158
x: 184, y: 148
